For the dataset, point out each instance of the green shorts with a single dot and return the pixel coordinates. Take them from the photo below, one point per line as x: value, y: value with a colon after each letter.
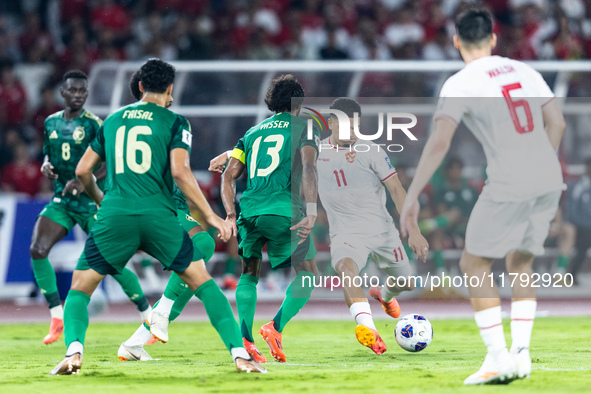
x: 68, y: 219
x: 186, y: 220
x: 115, y: 238
x: 282, y: 243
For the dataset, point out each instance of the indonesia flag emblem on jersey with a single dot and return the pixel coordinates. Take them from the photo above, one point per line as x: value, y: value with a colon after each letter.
x: 351, y: 156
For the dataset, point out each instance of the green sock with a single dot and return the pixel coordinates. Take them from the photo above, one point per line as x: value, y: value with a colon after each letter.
x: 76, y: 316
x: 297, y: 295
x: 438, y: 260
x: 231, y: 265
x: 131, y: 287
x: 178, y: 291
x: 46, y: 280
x: 563, y: 261
x: 220, y: 313
x: 408, y: 251
x: 246, y: 302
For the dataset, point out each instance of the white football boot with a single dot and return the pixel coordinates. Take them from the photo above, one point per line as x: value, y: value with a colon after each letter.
x: 522, y: 361
x: 133, y: 353
x: 158, y: 323
x: 496, y: 369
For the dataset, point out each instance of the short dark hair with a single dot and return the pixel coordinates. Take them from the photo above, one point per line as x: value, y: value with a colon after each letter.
x: 474, y: 26
x: 134, y: 85
x: 452, y: 162
x: 157, y: 75
x: 347, y: 105
x: 74, y: 74
x: 283, y: 89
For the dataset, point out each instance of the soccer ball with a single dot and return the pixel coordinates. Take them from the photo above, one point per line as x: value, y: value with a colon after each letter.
x: 413, y: 333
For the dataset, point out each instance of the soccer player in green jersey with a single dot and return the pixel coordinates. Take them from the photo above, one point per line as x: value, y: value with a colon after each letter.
x: 145, y: 147
x: 276, y: 156
x: 67, y: 134
x: 177, y: 294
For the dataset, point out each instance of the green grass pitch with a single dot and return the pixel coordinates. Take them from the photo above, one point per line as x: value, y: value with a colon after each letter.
x: 323, y: 356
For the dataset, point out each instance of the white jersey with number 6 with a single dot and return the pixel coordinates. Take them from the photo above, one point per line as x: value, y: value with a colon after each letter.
x: 351, y: 190
x: 500, y: 100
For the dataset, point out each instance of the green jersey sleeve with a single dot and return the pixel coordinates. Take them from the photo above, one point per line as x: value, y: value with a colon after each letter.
x: 307, y: 141
x: 45, y: 140
x: 182, y: 136
x: 98, y: 143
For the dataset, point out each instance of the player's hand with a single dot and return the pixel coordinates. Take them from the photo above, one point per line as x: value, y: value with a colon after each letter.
x: 47, y: 170
x: 231, y: 220
x: 224, y: 228
x: 218, y: 163
x: 304, y: 227
x: 74, y: 187
x: 409, y: 216
x: 418, y: 244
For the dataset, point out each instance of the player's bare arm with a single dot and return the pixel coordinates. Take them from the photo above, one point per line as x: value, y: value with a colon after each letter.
x: 75, y: 188
x: 435, y: 150
x: 233, y: 172
x: 554, y: 121
x: 310, y: 186
x: 84, y: 170
x: 416, y: 241
x: 181, y: 172
x: 218, y: 163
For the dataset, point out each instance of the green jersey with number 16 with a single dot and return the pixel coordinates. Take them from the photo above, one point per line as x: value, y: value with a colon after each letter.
x: 136, y: 142
x: 271, y: 154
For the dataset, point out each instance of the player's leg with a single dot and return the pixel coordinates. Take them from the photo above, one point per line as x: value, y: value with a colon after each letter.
x: 251, y: 244
x: 487, y: 313
x: 519, y: 262
x: 365, y: 331
x: 111, y: 243
x: 566, y: 243
x: 523, y: 310
x: 131, y: 287
x: 285, y: 252
x: 390, y: 256
x: 230, y: 281
x: 171, y: 245
x: 176, y: 294
x: 76, y: 320
x: 127, y: 279
x: 51, y: 226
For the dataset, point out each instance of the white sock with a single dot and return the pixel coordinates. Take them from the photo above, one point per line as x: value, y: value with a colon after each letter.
x: 389, y: 294
x: 164, y: 305
x: 491, y: 329
x: 240, y: 352
x: 57, y: 312
x: 522, y: 323
x: 139, y: 337
x: 144, y: 314
x: 75, y: 347
x: 362, y: 314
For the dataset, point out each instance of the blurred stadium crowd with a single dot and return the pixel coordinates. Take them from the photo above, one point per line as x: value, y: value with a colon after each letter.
x: 73, y: 34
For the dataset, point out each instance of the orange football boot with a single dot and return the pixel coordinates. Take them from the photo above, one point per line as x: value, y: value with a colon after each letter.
x: 55, y: 331
x: 152, y: 340
x: 370, y: 338
x: 273, y: 339
x: 391, y: 308
x: 254, y: 352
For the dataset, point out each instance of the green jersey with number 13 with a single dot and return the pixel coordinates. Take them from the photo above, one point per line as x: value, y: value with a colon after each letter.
x: 136, y: 142
x: 271, y: 154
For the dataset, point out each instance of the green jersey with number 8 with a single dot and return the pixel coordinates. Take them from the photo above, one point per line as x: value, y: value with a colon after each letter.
x: 64, y: 143
x: 271, y: 154
x: 136, y: 142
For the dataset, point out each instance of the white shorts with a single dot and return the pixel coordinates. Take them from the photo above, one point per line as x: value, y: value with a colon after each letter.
x: 497, y: 228
x: 385, y: 250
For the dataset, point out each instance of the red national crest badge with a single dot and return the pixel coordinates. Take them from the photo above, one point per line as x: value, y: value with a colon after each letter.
x: 351, y: 156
